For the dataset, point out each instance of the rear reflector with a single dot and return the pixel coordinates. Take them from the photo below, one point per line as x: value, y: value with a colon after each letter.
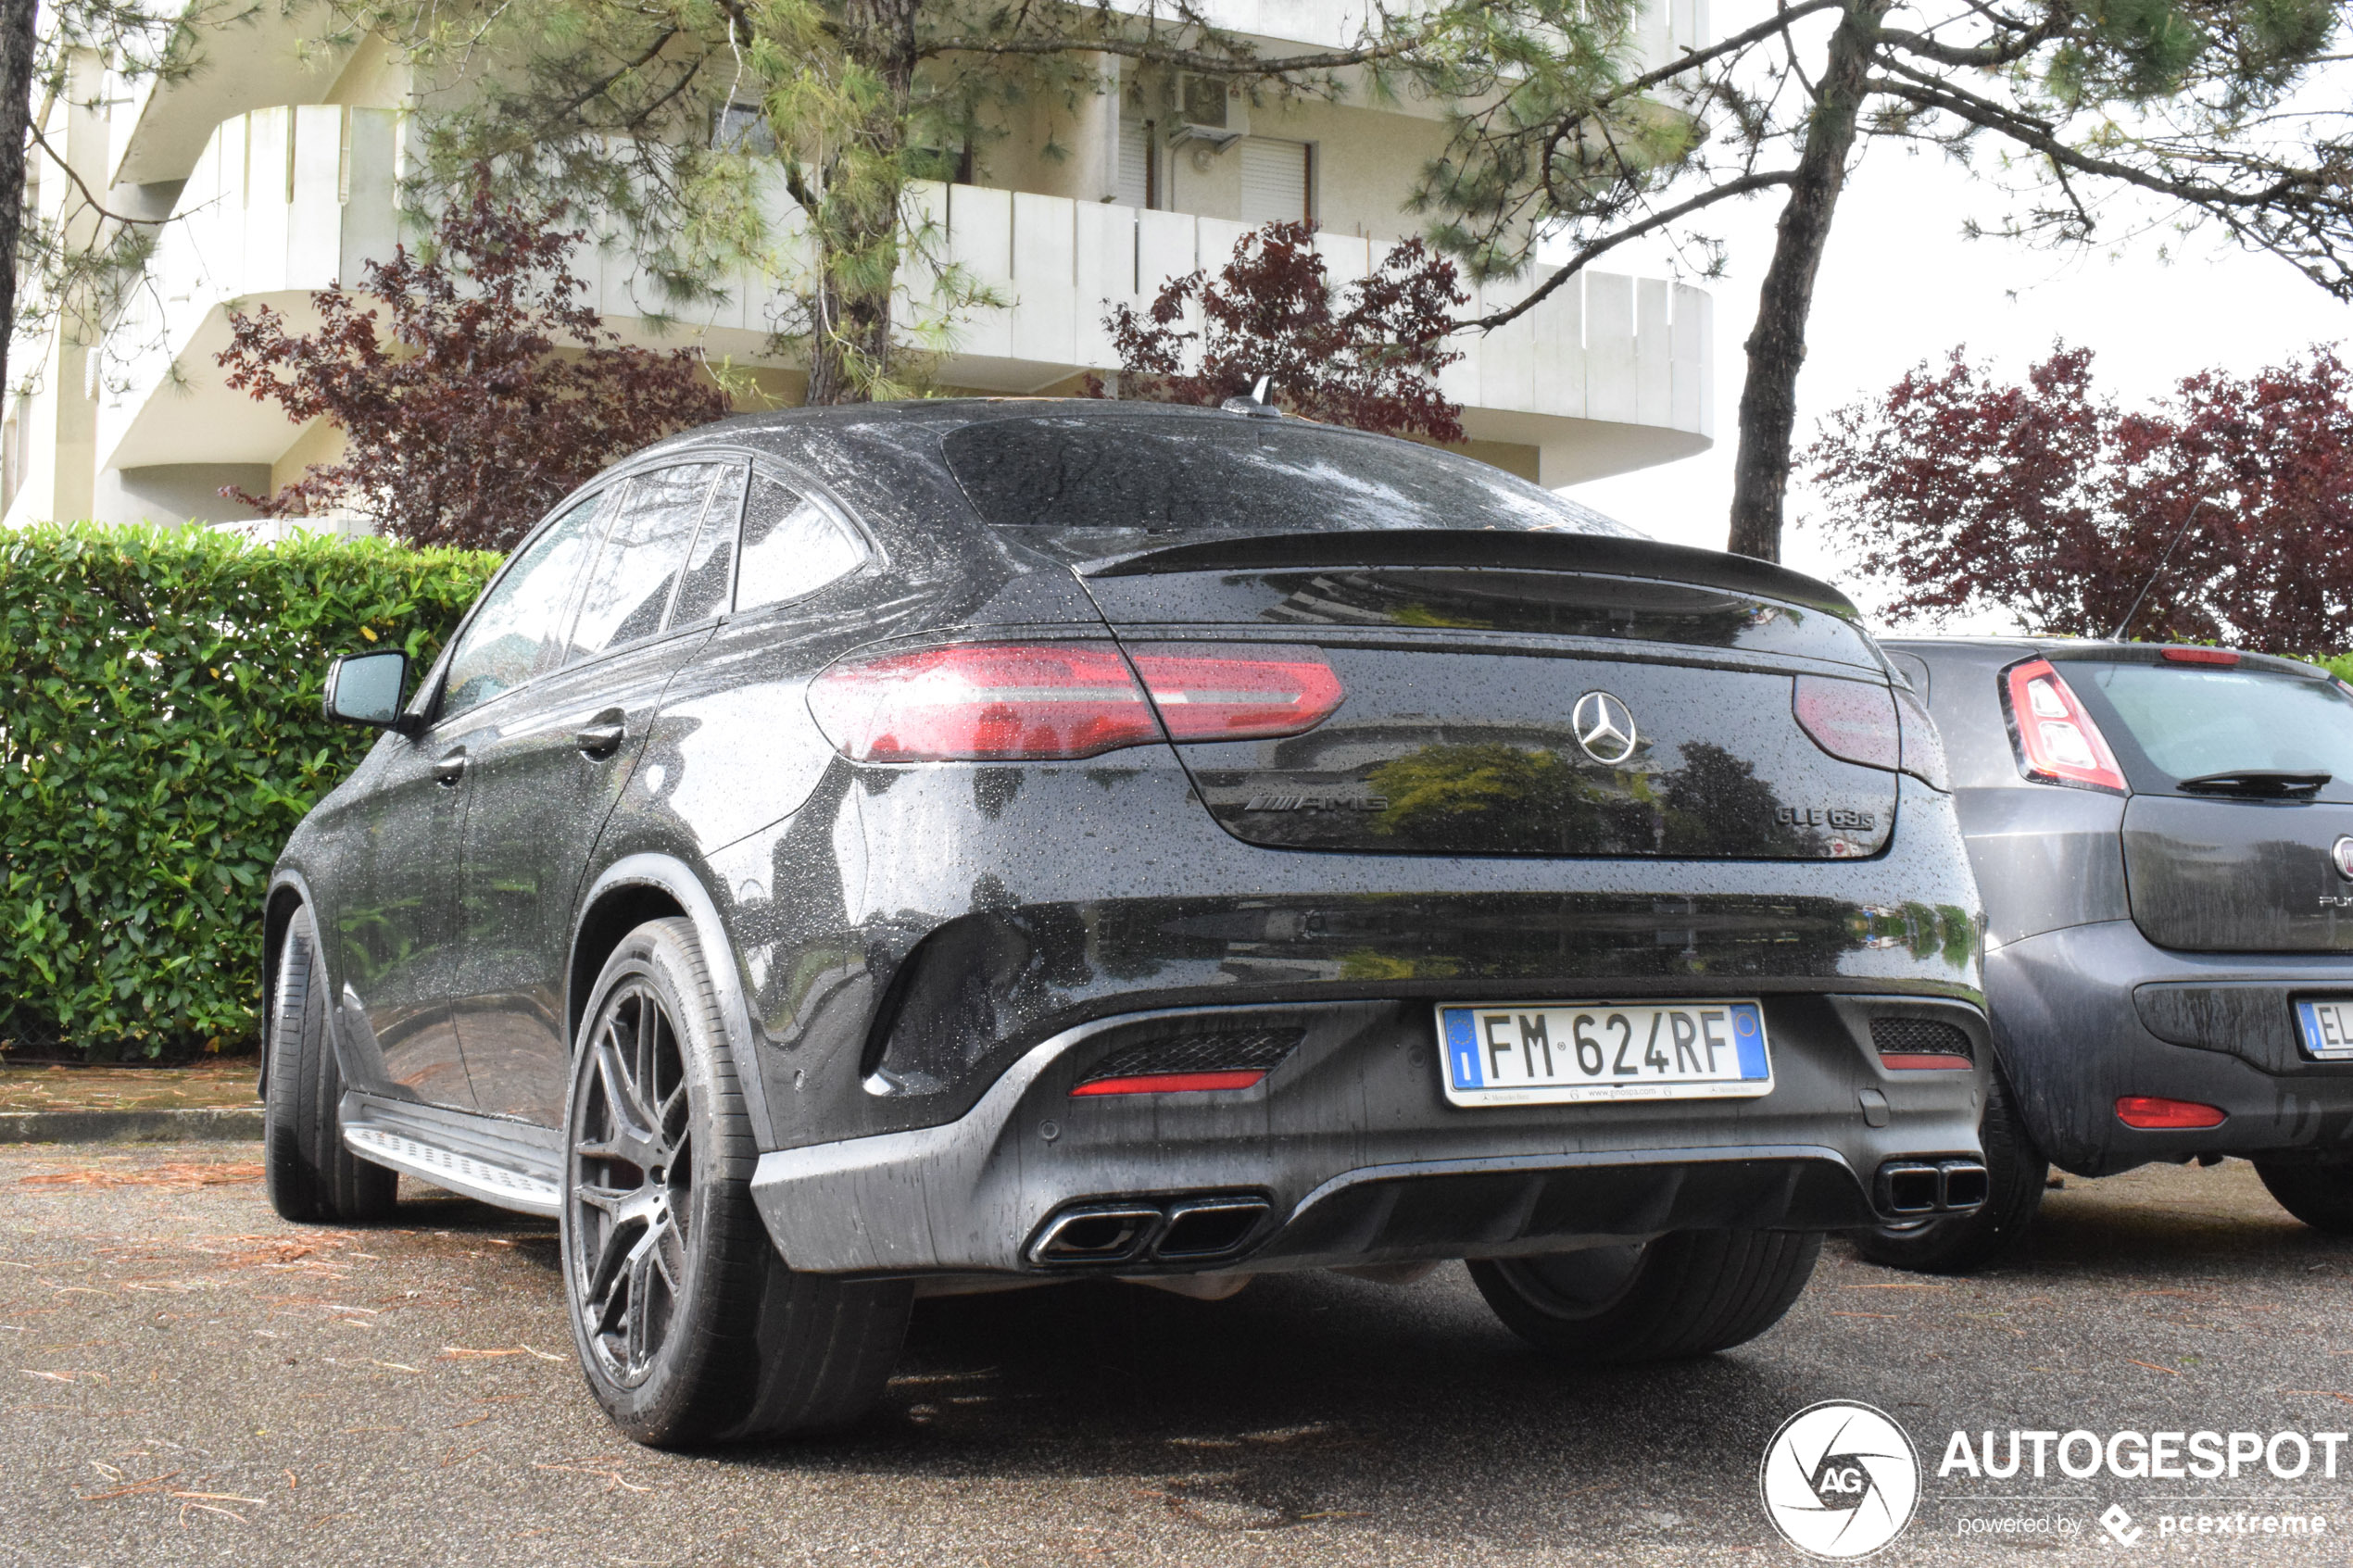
x: 1923, y: 1062
x: 2201, y: 656
x: 1038, y: 701
x: 1170, y: 1083
x: 1850, y: 720
x: 2055, y: 740
x: 2150, y: 1112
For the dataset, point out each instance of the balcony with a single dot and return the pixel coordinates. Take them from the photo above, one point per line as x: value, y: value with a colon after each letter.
x: 1611, y: 374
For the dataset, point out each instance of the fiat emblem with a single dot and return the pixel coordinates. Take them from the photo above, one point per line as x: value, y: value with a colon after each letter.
x: 1604, y: 727
x: 2342, y: 853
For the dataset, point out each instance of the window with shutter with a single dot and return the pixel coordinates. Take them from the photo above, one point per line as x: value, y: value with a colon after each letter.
x: 1135, y: 162
x: 1274, y: 180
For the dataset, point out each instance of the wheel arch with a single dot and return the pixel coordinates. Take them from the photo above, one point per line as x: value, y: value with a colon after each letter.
x: 288, y: 892
x: 632, y: 891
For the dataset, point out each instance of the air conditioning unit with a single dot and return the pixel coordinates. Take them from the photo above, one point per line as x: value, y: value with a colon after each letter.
x: 1209, y: 110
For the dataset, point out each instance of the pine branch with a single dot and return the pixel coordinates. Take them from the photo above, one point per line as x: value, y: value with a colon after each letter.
x: 1745, y: 185
x: 1181, y: 58
x: 95, y: 205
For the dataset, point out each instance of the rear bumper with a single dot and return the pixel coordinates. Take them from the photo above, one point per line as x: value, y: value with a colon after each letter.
x: 1358, y: 1159
x: 2084, y: 1015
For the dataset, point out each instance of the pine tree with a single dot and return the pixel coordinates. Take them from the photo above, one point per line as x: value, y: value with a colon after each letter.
x: 676, y: 121
x: 2214, y: 110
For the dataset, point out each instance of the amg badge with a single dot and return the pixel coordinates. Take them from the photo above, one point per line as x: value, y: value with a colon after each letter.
x: 1316, y: 803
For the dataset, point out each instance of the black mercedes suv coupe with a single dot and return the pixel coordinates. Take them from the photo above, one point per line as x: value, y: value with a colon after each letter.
x: 912, y: 849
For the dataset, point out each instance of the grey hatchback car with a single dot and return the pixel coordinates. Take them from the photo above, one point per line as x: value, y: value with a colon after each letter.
x: 2163, y: 837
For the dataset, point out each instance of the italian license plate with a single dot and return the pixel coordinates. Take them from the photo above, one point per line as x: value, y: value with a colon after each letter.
x: 2325, y: 1026
x: 1552, y: 1053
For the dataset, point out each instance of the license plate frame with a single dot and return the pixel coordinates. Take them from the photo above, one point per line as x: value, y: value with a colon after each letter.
x: 2324, y: 1027
x: 1472, y: 1057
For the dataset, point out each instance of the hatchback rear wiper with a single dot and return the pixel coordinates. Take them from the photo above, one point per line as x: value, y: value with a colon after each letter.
x: 2261, y: 784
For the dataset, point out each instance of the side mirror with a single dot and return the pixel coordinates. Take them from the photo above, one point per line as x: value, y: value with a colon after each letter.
x: 366, y: 688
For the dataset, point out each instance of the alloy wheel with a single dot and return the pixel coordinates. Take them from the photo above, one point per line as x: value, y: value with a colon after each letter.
x: 632, y: 1186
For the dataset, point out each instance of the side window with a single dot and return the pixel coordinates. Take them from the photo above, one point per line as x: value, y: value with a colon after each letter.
x: 792, y: 546
x: 629, y: 588
x: 520, y: 619
x: 710, y: 569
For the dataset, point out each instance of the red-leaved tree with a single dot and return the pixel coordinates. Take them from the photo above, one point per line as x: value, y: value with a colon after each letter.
x: 489, y: 390
x: 2044, y: 501
x: 1365, y: 354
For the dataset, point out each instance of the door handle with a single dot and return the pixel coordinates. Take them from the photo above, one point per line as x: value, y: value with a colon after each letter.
x: 600, y: 740
x: 450, y: 769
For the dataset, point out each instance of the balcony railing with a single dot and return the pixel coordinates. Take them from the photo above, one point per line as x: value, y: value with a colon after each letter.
x: 283, y: 201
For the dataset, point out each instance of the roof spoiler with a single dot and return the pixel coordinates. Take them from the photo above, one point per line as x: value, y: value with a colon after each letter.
x: 1611, y: 555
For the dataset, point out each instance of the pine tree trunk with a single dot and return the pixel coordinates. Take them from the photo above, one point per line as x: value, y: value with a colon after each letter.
x: 1777, y: 343
x: 16, y: 110
x: 856, y: 228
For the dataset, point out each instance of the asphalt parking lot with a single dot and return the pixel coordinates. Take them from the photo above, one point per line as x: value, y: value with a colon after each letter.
x: 190, y: 1380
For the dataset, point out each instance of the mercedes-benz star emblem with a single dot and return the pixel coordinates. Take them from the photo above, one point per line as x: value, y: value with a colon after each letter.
x: 1604, y: 727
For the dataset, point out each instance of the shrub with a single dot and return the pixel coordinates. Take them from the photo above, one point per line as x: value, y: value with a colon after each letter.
x: 159, y: 738
x: 2222, y: 513
x: 491, y: 391
x: 1365, y: 354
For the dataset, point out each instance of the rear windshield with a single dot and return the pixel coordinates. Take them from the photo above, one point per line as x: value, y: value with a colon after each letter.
x: 1237, y: 474
x: 2190, y: 721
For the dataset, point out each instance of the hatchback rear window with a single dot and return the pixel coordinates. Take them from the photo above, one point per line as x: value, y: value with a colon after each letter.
x: 1237, y: 474
x: 2191, y: 722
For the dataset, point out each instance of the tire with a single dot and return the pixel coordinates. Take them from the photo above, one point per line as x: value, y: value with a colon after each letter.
x: 312, y: 1176
x: 2320, y: 1195
x: 1958, y: 1244
x: 690, y: 1327
x: 1690, y: 1292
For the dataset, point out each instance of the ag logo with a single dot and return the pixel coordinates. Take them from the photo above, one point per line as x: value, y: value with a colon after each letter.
x: 2342, y: 853
x: 1604, y: 727
x: 1840, y: 1480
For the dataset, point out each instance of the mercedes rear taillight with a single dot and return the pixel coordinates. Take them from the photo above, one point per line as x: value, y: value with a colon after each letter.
x: 1236, y: 692
x: 982, y: 702
x: 1852, y: 720
x: 2056, y: 739
x: 1923, y: 747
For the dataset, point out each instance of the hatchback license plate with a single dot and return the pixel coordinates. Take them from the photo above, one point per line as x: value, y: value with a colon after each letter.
x: 2325, y: 1026
x: 1550, y: 1053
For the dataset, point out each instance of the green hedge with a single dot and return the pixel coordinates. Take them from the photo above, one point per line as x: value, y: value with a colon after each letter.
x: 159, y: 738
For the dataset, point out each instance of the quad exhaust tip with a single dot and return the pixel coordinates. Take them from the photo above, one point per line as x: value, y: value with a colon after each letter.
x: 1914, y: 1188
x: 1186, y: 1230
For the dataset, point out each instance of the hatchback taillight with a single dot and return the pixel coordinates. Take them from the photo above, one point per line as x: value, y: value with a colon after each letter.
x: 2056, y: 741
x: 1850, y: 720
x: 977, y: 702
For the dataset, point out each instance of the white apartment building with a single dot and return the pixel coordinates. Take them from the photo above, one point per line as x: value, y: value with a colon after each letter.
x: 280, y: 157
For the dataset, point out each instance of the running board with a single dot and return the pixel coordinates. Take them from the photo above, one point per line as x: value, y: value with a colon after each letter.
x: 511, y: 1164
